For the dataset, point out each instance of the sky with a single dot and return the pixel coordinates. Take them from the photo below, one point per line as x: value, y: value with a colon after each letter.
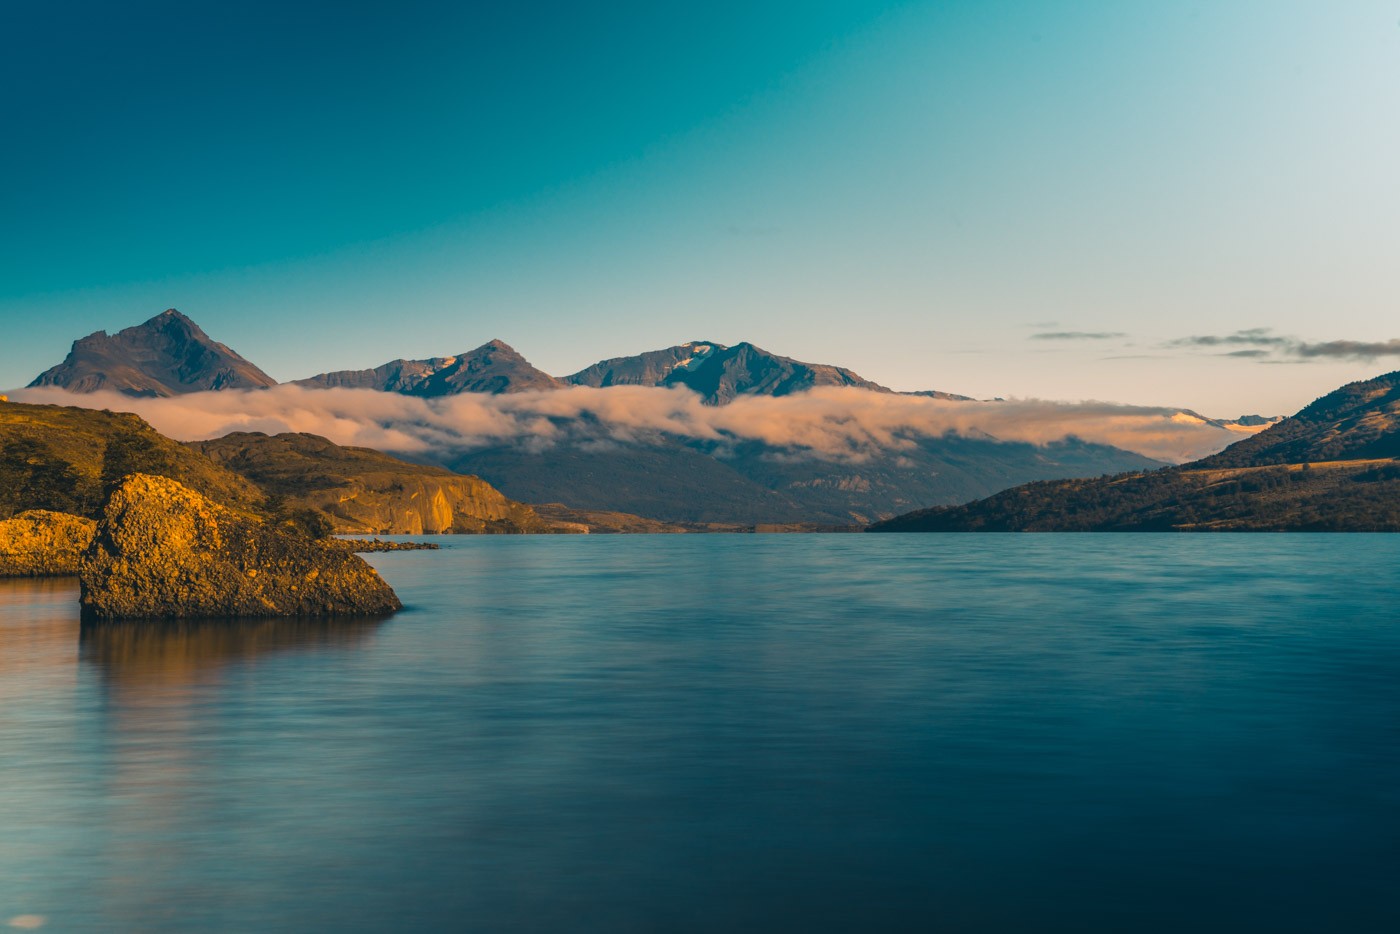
x: 1173, y: 204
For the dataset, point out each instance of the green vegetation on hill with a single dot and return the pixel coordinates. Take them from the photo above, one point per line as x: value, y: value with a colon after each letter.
x: 67, y: 459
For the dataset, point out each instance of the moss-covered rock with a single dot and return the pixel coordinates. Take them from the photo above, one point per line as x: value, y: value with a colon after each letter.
x: 39, y: 543
x: 163, y: 550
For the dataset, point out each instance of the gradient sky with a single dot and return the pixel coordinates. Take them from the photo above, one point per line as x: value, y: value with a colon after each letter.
x: 1159, y: 203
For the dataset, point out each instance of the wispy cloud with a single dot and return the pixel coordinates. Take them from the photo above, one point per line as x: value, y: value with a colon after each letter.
x: 1349, y: 350
x: 831, y: 423
x: 1253, y: 337
x: 1077, y: 335
x: 1267, y: 347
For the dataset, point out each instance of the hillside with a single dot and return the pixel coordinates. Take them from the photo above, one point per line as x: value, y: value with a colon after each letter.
x: 364, y: 491
x: 64, y: 459
x: 690, y: 482
x: 1331, y: 467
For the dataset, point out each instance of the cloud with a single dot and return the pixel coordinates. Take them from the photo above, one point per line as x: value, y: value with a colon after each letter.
x: 832, y: 423
x: 1263, y: 345
x: 1077, y: 335
x: 1349, y: 350
x: 1253, y: 337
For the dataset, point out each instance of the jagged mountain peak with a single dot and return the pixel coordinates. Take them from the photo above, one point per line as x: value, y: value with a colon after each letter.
x: 494, y: 367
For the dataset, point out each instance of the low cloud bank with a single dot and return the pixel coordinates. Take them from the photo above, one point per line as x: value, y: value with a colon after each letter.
x: 831, y: 423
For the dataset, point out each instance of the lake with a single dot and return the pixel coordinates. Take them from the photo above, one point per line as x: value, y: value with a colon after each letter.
x: 730, y: 732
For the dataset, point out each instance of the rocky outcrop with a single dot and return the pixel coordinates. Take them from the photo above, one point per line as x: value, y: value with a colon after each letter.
x: 39, y: 543
x: 162, y: 550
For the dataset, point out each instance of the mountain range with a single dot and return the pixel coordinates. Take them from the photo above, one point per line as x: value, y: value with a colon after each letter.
x: 1334, y: 466
x: 658, y: 475
x: 171, y: 355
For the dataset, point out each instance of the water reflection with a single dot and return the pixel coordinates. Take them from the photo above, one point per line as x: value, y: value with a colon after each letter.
x: 159, y: 655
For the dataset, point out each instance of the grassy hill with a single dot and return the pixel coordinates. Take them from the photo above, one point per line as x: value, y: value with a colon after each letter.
x: 65, y: 459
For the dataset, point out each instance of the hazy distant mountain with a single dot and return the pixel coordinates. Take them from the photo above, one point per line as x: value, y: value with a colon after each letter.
x: 679, y: 480
x: 719, y: 373
x: 1335, y: 466
x: 166, y: 356
x: 494, y: 367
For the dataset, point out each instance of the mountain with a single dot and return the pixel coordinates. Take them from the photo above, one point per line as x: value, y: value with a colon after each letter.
x: 1334, y: 466
x: 686, y: 481
x: 364, y: 491
x: 166, y: 356
x: 494, y: 367
x: 718, y: 373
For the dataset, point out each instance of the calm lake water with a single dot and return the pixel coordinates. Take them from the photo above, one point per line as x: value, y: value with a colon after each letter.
x: 719, y: 733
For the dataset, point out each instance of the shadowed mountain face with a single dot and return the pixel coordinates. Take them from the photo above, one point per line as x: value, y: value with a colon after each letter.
x: 685, y: 481
x: 494, y: 367
x: 166, y: 356
x: 719, y: 373
x: 1331, y: 467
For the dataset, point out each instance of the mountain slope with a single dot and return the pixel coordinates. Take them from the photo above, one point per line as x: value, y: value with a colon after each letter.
x: 63, y: 458
x: 1331, y: 467
x: 1359, y: 420
x: 165, y: 356
x: 676, y: 480
x: 365, y: 491
x: 494, y: 367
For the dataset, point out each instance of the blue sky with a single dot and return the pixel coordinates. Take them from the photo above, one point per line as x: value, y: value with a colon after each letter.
x: 913, y: 190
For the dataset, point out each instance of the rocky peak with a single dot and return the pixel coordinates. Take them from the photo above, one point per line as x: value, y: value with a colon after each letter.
x: 164, y: 356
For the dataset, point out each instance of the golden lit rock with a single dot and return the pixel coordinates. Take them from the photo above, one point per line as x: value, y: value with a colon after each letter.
x: 163, y: 550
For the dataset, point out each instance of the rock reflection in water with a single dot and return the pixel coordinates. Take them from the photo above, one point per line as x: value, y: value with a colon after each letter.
x: 164, y: 654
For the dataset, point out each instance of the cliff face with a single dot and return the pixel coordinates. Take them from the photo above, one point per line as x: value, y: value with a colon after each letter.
x: 390, y: 505
x: 43, y: 544
x: 164, y: 551
x: 365, y: 491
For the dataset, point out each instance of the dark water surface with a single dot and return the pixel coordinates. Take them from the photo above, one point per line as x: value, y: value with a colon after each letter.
x: 715, y: 733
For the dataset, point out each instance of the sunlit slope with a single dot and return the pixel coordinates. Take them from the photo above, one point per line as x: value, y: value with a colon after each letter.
x: 64, y: 458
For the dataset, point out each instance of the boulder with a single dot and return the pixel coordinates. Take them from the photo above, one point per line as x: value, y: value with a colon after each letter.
x: 163, y: 550
x: 39, y: 543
